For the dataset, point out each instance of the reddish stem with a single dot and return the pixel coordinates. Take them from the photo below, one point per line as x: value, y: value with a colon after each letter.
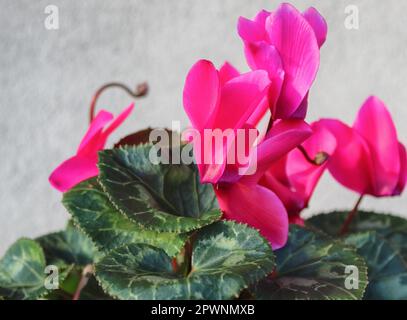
x: 86, y: 274
x: 141, y: 90
x: 351, y: 215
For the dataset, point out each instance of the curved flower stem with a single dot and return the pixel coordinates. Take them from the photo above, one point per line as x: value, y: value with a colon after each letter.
x: 319, y: 159
x: 351, y: 215
x: 86, y: 274
x: 141, y: 90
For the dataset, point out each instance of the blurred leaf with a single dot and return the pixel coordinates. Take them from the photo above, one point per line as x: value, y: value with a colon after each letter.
x: 70, y: 246
x: 387, y: 269
x: 392, y: 229
x: 22, y: 274
x: 312, y: 267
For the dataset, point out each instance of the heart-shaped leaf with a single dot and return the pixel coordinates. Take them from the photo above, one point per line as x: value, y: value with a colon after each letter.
x: 22, y: 271
x: 68, y: 247
x: 159, y: 197
x: 109, y: 228
x: 387, y: 269
x: 313, y: 267
x: 226, y: 258
x: 392, y: 229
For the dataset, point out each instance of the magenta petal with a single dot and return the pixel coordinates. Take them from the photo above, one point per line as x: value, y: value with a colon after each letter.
x: 303, y: 175
x: 261, y: 17
x: 283, y: 137
x: 351, y: 163
x: 239, y: 99
x: 201, y: 93
x: 301, y: 111
x: 295, y: 40
x: 102, y: 118
x: 118, y: 120
x: 293, y: 201
x: 251, y: 31
x: 258, y: 207
x: 403, y: 171
x: 227, y: 72
x: 73, y: 171
x: 375, y: 124
x: 263, y: 56
x: 318, y: 23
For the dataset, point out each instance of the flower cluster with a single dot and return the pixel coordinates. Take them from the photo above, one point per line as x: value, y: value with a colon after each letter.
x: 282, y: 49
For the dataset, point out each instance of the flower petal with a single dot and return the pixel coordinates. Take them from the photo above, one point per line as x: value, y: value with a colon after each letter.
x: 263, y: 56
x: 102, y: 118
x: 258, y: 207
x: 302, y: 174
x: 293, y: 201
x: 251, y: 31
x: 240, y: 97
x: 301, y: 111
x: 118, y: 121
x: 351, y: 163
x: 73, y: 171
x: 283, y: 137
x: 318, y: 24
x: 403, y: 171
x: 201, y: 93
x: 227, y: 72
x: 297, y: 45
x: 375, y: 124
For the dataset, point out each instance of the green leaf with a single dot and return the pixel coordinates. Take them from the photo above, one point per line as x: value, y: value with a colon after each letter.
x: 68, y: 247
x: 163, y: 197
x: 387, y: 269
x: 22, y: 271
x: 312, y: 267
x: 93, y: 291
x: 226, y: 258
x: 392, y: 229
x: 107, y: 227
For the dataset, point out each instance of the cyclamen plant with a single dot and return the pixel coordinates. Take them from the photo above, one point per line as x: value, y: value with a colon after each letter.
x: 144, y: 230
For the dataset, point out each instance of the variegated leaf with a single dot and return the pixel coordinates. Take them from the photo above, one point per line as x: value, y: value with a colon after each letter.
x: 107, y: 227
x: 22, y: 271
x: 391, y: 228
x: 159, y: 197
x: 226, y: 258
x: 387, y: 270
x: 312, y: 267
x: 69, y: 246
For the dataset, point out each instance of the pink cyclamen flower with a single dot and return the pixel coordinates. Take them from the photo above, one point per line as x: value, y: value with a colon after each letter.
x: 368, y: 159
x: 225, y: 100
x: 83, y: 165
x: 293, y: 178
x: 286, y: 44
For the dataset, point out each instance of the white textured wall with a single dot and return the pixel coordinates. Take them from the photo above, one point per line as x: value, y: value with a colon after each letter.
x: 48, y: 77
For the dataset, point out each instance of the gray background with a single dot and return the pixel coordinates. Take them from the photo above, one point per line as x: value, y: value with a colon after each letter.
x: 48, y: 77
